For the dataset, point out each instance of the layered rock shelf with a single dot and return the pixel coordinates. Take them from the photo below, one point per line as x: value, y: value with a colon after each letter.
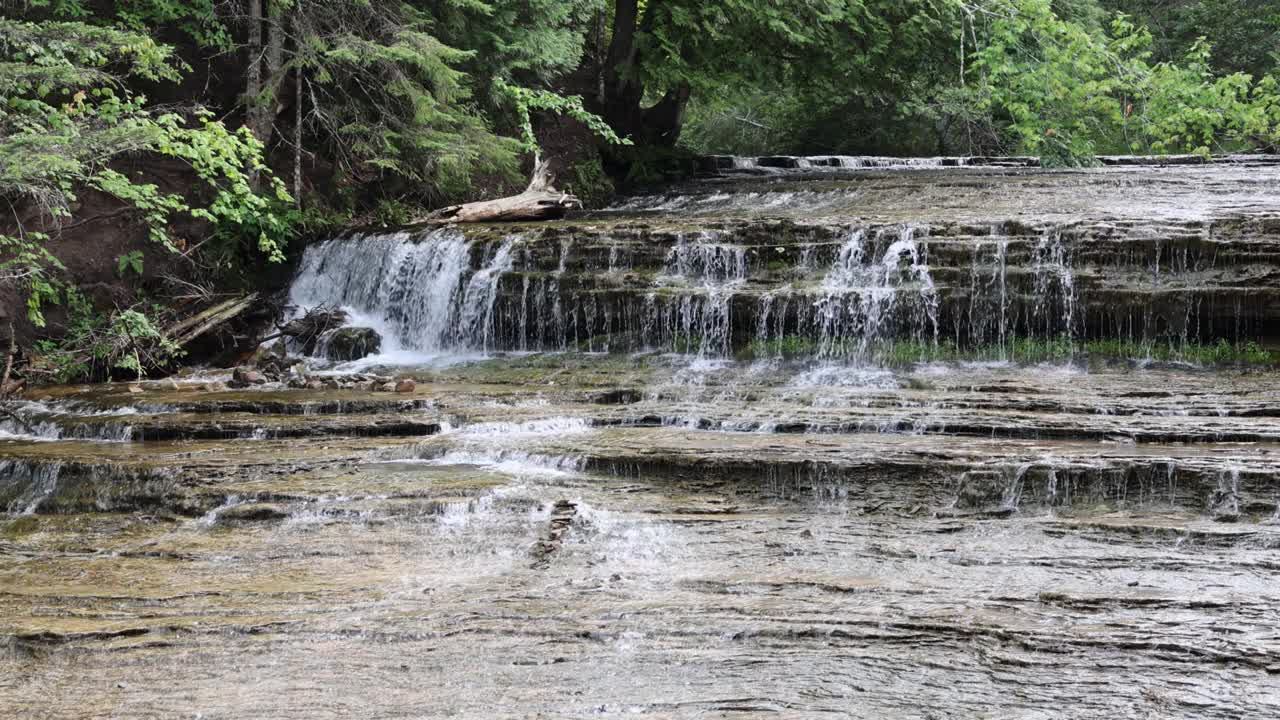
x: 826, y: 438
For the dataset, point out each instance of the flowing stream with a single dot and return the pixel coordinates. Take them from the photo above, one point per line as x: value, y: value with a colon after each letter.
x: 848, y: 437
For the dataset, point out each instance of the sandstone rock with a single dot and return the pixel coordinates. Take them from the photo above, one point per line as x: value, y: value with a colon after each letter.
x: 135, y: 389
x: 981, y: 489
x: 243, y: 377
x: 387, y: 387
x: 253, y: 512
x: 272, y: 354
x: 346, y: 344
x: 406, y: 385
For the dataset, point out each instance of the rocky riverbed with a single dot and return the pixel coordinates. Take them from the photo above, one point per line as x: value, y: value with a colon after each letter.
x: 961, y: 442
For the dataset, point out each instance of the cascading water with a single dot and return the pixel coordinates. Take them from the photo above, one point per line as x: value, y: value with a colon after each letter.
x: 828, y: 467
x: 422, y: 294
x: 695, y: 314
x: 863, y: 300
x: 838, y: 293
x: 1055, y: 291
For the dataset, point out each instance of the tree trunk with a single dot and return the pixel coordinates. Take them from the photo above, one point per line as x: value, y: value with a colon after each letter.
x: 297, y: 116
x: 253, y: 78
x: 7, y: 388
x: 540, y: 201
x: 265, y: 71
x: 193, y: 327
x: 253, y: 73
x: 665, y: 119
x: 274, y: 77
x: 621, y: 102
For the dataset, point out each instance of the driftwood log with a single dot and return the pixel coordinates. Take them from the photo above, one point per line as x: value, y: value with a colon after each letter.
x: 306, y: 330
x: 7, y: 387
x: 540, y: 201
x: 189, y: 329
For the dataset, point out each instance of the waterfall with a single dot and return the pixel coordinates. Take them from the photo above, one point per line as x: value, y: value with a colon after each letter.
x: 421, y: 293
x: 1054, y: 286
x: 697, y: 317
x: 862, y: 301
x: 857, y: 293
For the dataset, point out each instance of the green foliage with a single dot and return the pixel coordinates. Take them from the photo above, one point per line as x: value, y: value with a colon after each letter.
x: 1052, y: 79
x: 751, y: 123
x: 390, y: 211
x: 393, y: 102
x: 527, y: 100
x: 131, y: 260
x: 589, y: 182
x: 1066, y: 92
x: 198, y: 19
x: 66, y: 113
x: 1244, y: 34
x: 1186, y: 107
x: 1044, y: 77
x: 95, y: 344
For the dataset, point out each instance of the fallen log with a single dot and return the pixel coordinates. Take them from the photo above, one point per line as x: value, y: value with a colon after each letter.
x: 5, y: 388
x: 540, y: 201
x: 9, y: 387
x: 193, y: 327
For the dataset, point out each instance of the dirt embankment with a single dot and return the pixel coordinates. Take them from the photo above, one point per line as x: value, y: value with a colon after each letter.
x: 90, y: 244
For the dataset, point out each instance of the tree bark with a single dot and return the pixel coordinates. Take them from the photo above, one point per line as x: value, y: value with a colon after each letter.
x: 193, y: 327
x: 265, y: 70
x: 5, y: 388
x: 622, y: 99
x: 297, y: 117
x: 540, y: 201
x: 253, y: 73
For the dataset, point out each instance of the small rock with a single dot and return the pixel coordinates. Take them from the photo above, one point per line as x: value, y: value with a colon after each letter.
x: 272, y: 354
x: 387, y: 387
x: 135, y: 389
x: 253, y: 512
x: 243, y: 377
x: 216, y: 386
x: 806, y: 533
x: 315, y: 384
x: 406, y: 385
x: 169, y: 384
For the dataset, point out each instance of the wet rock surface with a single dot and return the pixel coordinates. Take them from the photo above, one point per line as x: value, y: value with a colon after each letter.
x: 551, y: 537
x: 345, y: 344
x: 678, y: 531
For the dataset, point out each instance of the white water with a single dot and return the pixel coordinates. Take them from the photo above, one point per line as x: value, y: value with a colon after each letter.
x: 861, y: 297
x: 698, y: 319
x: 420, y: 293
x: 437, y: 298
